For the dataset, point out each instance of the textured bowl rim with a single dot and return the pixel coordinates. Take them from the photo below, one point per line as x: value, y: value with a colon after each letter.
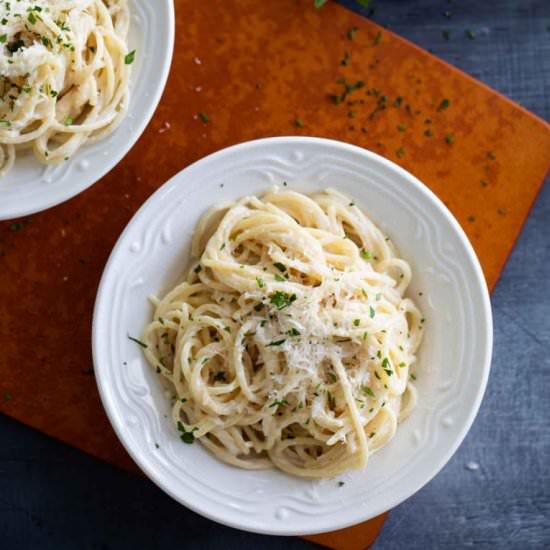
x: 480, y: 283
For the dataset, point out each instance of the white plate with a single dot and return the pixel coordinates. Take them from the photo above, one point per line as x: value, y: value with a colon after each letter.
x: 31, y: 187
x: 454, y: 360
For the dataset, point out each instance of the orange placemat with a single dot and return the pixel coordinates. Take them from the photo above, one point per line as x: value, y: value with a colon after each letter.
x: 256, y: 69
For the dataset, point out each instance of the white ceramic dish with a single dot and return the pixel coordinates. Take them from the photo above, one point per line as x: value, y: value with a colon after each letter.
x: 454, y: 361
x: 31, y: 187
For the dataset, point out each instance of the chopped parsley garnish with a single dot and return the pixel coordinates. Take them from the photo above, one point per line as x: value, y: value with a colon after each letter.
x: 299, y: 123
x: 279, y: 279
x: 351, y: 33
x: 198, y: 269
x: 386, y: 366
x: 445, y: 103
x: 260, y: 282
x: 341, y: 484
x: 293, y: 332
x: 186, y: 437
x: 449, y: 138
x: 137, y: 341
x: 282, y: 299
x: 204, y: 117
x: 372, y: 313
x: 356, y: 322
x: 129, y: 58
x: 348, y: 88
x: 276, y: 343
x: 281, y: 267
x: 68, y: 121
x: 367, y: 391
x: 365, y: 254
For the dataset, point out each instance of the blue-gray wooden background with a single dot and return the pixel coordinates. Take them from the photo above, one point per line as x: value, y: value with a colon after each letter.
x: 54, y: 497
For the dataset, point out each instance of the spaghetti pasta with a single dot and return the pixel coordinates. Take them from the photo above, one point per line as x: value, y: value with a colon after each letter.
x: 64, y: 72
x: 290, y: 343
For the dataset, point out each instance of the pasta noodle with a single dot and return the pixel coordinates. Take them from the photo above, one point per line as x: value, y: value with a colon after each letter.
x: 64, y: 71
x: 290, y: 343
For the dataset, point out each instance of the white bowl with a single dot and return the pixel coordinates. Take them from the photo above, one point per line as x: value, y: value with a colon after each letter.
x: 31, y: 187
x: 454, y: 359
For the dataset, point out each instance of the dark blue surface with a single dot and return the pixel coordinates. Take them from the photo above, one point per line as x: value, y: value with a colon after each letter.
x: 52, y: 496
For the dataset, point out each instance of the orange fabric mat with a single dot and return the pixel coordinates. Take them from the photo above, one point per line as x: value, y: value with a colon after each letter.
x: 257, y: 69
